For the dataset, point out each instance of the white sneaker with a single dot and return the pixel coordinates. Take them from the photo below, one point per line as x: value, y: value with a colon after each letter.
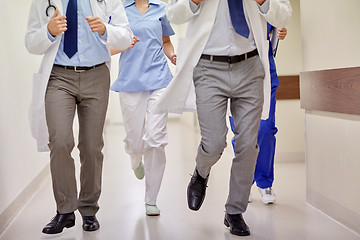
x: 139, y: 171
x: 267, y: 195
x: 152, y: 210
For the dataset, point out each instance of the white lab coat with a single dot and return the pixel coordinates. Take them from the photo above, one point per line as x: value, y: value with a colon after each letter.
x: 179, y: 95
x: 119, y: 35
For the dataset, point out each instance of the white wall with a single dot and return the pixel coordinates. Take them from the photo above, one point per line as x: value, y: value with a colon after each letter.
x: 19, y: 161
x: 288, y: 58
x: 290, y: 144
x: 330, y: 36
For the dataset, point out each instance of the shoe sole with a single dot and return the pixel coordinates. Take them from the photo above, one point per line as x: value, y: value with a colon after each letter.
x: 194, y: 208
x: 70, y: 225
x: 155, y: 211
x: 91, y: 230
x: 268, y: 202
x: 153, y: 214
x: 226, y: 223
x: 138, y: 176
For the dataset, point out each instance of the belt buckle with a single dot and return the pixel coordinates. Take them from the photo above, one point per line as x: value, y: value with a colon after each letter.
x: 229, y: 60
x: 78, y: 71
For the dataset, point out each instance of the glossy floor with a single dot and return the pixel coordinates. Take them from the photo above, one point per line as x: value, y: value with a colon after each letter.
x: 122, y: 212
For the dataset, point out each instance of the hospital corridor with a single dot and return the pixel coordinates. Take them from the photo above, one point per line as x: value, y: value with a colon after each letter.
x: 316, y: 166
x: 122, y: 211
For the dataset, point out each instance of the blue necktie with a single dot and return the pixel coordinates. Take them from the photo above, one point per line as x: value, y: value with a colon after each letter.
x: 70, y: 36
x: 238, y: 17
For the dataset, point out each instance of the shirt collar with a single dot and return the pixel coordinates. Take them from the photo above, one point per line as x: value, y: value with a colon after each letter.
x: 128, y: 3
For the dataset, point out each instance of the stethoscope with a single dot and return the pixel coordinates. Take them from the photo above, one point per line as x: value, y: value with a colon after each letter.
x: 52, y: 6
x: 49, y: 7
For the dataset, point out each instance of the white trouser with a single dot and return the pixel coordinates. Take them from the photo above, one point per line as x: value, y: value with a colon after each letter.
x: 146, y: 136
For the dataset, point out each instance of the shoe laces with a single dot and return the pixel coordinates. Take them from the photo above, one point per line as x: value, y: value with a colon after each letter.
x: 268, y: 191
x: 198, y: 180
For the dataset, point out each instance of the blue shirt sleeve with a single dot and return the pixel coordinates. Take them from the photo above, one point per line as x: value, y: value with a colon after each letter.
x: 104, y: 37
x: 166, y: 27
x: 51, y: 38
x: 264, y: 8
x: 193, y: 6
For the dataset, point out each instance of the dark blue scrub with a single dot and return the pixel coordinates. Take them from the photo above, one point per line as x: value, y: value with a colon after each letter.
x: 264, y: 170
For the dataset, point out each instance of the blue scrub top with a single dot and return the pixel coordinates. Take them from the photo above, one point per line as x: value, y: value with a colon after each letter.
x: 144, y: 67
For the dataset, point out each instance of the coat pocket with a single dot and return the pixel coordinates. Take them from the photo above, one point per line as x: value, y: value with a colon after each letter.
x: 35, y: 104
x: 37, y: 113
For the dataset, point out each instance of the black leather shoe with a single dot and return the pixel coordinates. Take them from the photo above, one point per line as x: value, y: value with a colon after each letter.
x: 90, y: 223
x: 196, y: 191
x: 59, y: 222
x: 237, y: 224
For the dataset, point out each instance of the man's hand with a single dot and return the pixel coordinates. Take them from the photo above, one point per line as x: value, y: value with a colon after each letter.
x: 57, y: 24
x: 197, y: 2
x: 281, y: 34
x: 260, y: 2
x: 96, y: 25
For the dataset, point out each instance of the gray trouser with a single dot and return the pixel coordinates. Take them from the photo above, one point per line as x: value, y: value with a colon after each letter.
x: 242, y: 83
x: 87, y: 92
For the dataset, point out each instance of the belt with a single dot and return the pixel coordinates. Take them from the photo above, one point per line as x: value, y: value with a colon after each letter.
x: 230, y: 59
x: 78, y: 69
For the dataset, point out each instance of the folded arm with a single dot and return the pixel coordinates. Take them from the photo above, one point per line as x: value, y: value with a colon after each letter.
x: 181, y: 11
x: 119, y: 34
x: 279, y: 13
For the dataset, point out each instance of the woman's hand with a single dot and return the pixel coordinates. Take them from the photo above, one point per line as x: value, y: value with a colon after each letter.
x: 260, y: 2
x: 135, y: 40
x: 115, y: 51
x: 197, y: 2
x: 173, y: 58
x: 281, y: 34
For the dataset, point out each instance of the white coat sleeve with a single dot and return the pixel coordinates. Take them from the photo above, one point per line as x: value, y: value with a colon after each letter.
x: 36, y: 38
x: 179, y: 11
x: 119, y: 34
x: 279, y: 13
